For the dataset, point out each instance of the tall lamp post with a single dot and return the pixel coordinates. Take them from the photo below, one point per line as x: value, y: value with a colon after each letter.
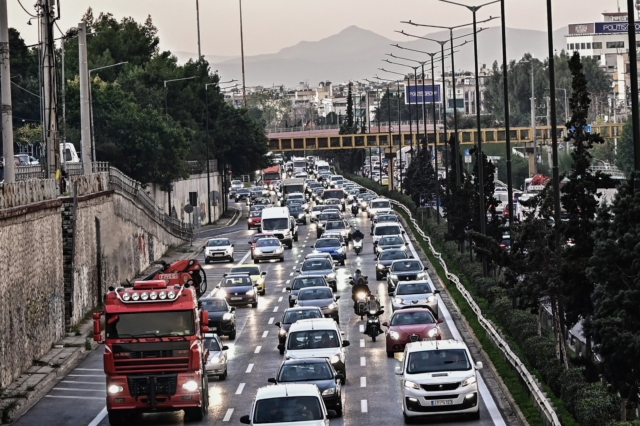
x: 93, y: 138
x: 507, y: 128
x: 390, y: 164
x: 244, y: 88
x: 415, y: 72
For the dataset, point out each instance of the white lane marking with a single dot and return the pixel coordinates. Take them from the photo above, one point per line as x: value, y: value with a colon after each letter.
x: 287, y: 281
x: 76, y: 397
x: 363, y: 361
x: 304, y: 245
x: 77, y: 389
x: 362, y: 343
x: 284, y: 290
x: 291, y: 274
x: 299, y: 255
x: 249, y: 368
x: 295, y: 267
x: 227, y: 416
x: 240, y: 389
x: 363, y: 382
x: 265, y: 333
x: 280, y: 299
x: 361, y: 328
x: 101, y: 415
x: 257, y: 351
x: 84, y: 383
x: 275, y: 309
x: 85, y: 375
x: 363, y: 406
x: 89, y: 369
x: 271, y: 320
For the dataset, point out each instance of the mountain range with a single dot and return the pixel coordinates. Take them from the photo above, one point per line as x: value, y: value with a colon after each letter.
x: 355, y: 54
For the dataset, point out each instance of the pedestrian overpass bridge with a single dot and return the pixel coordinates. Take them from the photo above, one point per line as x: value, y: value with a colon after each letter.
x: 329, y: 140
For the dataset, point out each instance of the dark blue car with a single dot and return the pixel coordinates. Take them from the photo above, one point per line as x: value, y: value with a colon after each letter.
x: 238, y: 289
x: 332, y: 246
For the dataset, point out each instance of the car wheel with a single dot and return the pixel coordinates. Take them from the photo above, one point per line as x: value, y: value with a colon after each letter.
x: 407, y: 420
x: 254, y: 305
x: 290, y: 245
x: 337, y: 320
x: 344, y: 374
x: 263, y: 292
x: 281, y: 259
x: 118, y: 417
x: 224, y: 376
x: 338, y: 411
x: 389, y: 354
x: 295, y: 238
x: 378, y: 277
x: 232, y: 335
x: 281, y: 351
x: 206, y: 261
x: 231, y: 259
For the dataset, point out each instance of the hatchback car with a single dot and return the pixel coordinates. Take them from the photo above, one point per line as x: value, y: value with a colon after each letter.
x: 290, y: 316
x: 319, y: 266
x: 410, y: 325
x: 415, y: 294
x: 268, y: 249
x: 222, y: 317
x: 258, y: 276
x: 332, y: 246
x: 321, y: 297
x: 340, y: 226
x: 218, y: 249
x: 304, y: 281
x: 242, y: 194
x: 255, y: 238
x: 216, y: 356
x: 254, y: 221
x: 315, y: 371
x: 384, y: 229
x: 298, y: 214
x: 405, y: 270
x: 238, y: 290
x: 386, y: 258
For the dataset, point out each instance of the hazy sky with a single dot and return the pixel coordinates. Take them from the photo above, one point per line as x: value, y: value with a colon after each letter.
x: 270, y: 25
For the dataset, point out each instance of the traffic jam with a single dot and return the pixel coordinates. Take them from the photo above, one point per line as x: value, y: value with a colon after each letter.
x: 320, y: 312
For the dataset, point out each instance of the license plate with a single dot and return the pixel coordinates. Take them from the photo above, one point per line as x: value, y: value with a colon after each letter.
x: 236, y: 298
x: 218, y: 254
x: 442, y: 402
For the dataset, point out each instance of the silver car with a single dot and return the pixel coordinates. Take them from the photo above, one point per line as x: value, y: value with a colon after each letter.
x: 216, y: 354
x: 267, y: 249
x: 304, y: 281
x: 414, y: 294
x: 320, y: 267
x: 323, y: 298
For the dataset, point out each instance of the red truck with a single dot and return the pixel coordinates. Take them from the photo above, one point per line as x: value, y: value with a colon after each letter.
x: 154, y: 357
x: 186, y: 271
x: 270, y: 174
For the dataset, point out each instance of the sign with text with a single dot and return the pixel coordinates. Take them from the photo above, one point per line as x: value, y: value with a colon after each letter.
x: 414, y: 94
x: 614, y: 27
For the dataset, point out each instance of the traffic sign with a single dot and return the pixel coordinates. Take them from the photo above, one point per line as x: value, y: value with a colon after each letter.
x: 188, y: 208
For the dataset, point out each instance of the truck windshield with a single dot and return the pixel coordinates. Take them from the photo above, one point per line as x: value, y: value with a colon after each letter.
x: 150, y: 324
x: 438, y: 360
x: 275, y: 224
x: 271, y: 176
x: 292, y: 187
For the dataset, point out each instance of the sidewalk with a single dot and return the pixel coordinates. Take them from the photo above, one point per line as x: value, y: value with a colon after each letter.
x: 63, y: 357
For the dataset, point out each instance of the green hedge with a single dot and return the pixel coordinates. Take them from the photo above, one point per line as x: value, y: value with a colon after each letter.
x: 588, y: 403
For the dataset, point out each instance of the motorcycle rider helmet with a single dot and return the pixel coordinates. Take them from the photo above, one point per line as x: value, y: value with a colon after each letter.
x: 357, y: 229
x: 358, y: 271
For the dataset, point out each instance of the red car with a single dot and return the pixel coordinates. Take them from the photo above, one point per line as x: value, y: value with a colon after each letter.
x: 255, y: 239
x: 410, y: 325
x: 254, y: 220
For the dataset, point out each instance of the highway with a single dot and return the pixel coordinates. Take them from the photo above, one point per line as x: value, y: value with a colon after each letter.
x: 372, y: 394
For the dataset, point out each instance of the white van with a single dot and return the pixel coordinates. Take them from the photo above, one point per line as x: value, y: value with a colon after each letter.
x: 277, y: 221
x: 68, y: 153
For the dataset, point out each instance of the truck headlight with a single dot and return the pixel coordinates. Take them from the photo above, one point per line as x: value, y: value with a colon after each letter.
x: 394, y: 335
x: 471, y: 380
x: 190, y: 386
x: 113, y: 389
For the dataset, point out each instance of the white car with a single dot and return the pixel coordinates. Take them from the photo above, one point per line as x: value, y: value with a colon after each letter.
x: 378, y: 204
x: 236, y: 184
x: 216, y: 356
x: 281, y: 405
x: 218, y: 249
x: 439, y: 378
x: 415, y: 294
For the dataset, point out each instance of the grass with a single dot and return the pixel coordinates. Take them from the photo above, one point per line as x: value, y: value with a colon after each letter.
x: 6, y: 411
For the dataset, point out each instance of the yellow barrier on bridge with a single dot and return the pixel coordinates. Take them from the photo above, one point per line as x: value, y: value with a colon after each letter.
x: 466, y: 137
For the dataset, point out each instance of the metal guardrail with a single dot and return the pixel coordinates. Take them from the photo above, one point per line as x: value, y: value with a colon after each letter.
x: 537, y: 394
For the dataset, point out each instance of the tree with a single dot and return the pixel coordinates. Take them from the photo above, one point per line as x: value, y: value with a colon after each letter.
x: 348, y: 127
x: 421, y: 178
x: 625, y: 152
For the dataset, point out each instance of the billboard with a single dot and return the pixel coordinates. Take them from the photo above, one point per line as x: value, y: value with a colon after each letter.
x: 614, y: 27
x: 413, y: 94
x: 577, y: 29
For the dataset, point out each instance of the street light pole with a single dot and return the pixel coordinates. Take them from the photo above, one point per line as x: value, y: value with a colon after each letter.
x: 198, y: 24
x: 244, y: 88
x: 435, y: 143
x: 507, y: 129
x: 633, y: 70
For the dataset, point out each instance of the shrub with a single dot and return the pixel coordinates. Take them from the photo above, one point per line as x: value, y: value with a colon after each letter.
x: 595, y: 406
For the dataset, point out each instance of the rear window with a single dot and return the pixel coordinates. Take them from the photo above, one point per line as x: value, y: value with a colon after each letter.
x: 302, y: 282
x: 409, y: 265
x: 315, y: 294
x: 393, y: 255
x: 387, y: 230
x: 413, y: 288
x: 287, y: 410
x: 316, y: 264
x: 380, y: 204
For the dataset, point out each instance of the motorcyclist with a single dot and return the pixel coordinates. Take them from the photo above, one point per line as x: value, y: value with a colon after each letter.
x: 373, y: 310
x: 359, y: 286
x: 357, y: 235
x: 357, y: 276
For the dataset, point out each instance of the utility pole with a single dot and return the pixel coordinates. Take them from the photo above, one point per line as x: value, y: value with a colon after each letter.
x: 533, y: 124
x: 7, y: 118
x: 198, y: 23
x: 49, y: 122
x: 244, y: 88
x: 85, y: 114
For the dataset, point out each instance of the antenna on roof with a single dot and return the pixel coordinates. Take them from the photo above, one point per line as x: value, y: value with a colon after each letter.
x: 618, y: 1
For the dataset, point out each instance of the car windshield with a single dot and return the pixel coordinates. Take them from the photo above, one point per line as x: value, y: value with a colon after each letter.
x: 236, y: 281
x: 329, y: 216
x: 336, y: 225
x: 150, y: 324
x: 408, y: 266
x: 315, y: 294
x: 259, y: 237
x: 413, y: 288
x: 387, y: 218
x: 327, y: 243
x: 305, y: 372
x: 287, y: 410
x: 391, y: 240
x: 387, y: 230
x: 294, y: 315
x: 317, y: 208
x: 268, y: 242
x: 316, y: 265
x: 236, y: 182
x: 438, y: 360
x: 313, y: 339
x: 275, y: 223
x: 296, y: 209
x: 218, y: 243
x: 295, y: 197
x: 257, y: 207
x: 252, y: 270
x: 380, y: 205
x: 393, y: 255
x: 211, y: 344
x: 215, y: 305
x: 303, y: 282
x: 411, y: 318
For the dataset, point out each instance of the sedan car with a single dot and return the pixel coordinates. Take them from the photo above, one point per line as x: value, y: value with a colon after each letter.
x: 216, y: 356
x: 382, y: 218
x: 386, y: 258
x: 255, y: 239
x: 410, y: 325
x: 267, y: 249
x: 315, y: 371
x: 319, y: 267
x: 241, y: 194
x: 405, y: 270
x: 304, y: 281
x: 222, y: 317
x: 391, y: 242
x: 338, y: 226
x: 258, y: 276
x: 292, y: 315
x: 298, y: 214
x: 218, y: 249
x: 415, y: 294
x: 321, y: 297
x: 315, y: 212
x: 332, y: 246
x: 238, y: 290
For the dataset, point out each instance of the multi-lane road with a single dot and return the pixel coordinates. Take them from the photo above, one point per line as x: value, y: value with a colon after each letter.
x: 372, y: 394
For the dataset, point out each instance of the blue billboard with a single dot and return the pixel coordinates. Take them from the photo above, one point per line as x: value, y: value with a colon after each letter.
x: 614, y: 27
x: 414, y: 94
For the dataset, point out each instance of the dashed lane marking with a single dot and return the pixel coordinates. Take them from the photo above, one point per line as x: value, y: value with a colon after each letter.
x: 228, y: 415
x: 363, y: 382
x: 101, y: 415
x: 364, y: 406
x: 280, y: 299
x: 271, y: 320
x: 240, y: 389
x: 265, y: 333
x: 361, y: 328
x: 83, y: 383
x: 275, y: 309
x: 89, y: 369
x: 362, y: 343
x: 284, y: 290
x: 75, y: 397
x: 249, y: 368
x: 363, y: 361
x: 81, y: 390
x: 291, y: 274
x: 257, y: 351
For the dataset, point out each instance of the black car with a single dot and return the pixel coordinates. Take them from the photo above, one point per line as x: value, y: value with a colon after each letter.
x: 238, y: 289
x: 315, y: 371
x: 292, y: 315
x: 222, y: 317
x: 242, y: 194
x: 384, y: 260
x: 298, y: 214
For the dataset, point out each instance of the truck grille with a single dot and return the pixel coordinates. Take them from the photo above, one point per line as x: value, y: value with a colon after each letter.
x: 442, y: 387
x: 151, y: 357
x: 164, y: 384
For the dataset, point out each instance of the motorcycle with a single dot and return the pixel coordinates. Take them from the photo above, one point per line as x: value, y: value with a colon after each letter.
x: 357, y: 246
x: 373, y: 324
x: 354, y: 208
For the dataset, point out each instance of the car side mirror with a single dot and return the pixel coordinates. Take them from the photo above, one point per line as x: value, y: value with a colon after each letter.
x: 225, y: 348
x: 256, y: 285
x: 250, y: 243
x: 245, y: 420
x: 232, y: 245
x: 288, y: 288
x: 406, y: 244
x: 298, y: 270
x: 426, y: 268
x: 278, y: 324
x: 332, y: 414
x: 233, y: 309
x: 385, y: 324
x: 272, y: 380
x: 313, y: 246
x: 398, y: 371
x: 339, y: 377
x: 218, y: 286
x: 436, y: 292
x: 479, y: 365
x: 345, y: 343
x: 440, y: 320
x: 263, y: 273
x: 337, y: 297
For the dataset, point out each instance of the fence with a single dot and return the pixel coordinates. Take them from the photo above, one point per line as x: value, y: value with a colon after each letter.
x: 73, y: 169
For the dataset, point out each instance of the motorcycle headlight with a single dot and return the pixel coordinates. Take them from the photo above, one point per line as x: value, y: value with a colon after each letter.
x: 330, y: 391
x: 251, y: 292
x: 227, y: 316
x: 361, y: 295
x: 393, y: 277
x: 380, y: 266
x: 399, y: 301
x: 471, y: 380
x: 394, y: 335
x: 411, y: 385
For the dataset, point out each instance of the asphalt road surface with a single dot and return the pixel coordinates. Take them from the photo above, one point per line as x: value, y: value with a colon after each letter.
x: 372, y: 394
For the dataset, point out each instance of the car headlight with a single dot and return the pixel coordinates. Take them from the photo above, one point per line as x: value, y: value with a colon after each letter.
x: 421, y: 275
x: 257, y: 251
x: 251, y: 292
x: 393, y: 277
x: 432, y: 333
x: 394, y: 335
x: 190, y: 386
x: 114, y: 389
x: 279, y: 250
x: 335, y: 359
x: 331, y: 276
x: 340, y: 250
x: 471, y: 380
x: 221, y: 293
x: 333, y: 305
x: 380, y: 266
x: 398, y: 300
x: 301, y: 216
x: 215, y: 359
x: 282, y: 332
x: 431, y: 299
x: 328, y: 392
x: 227, y: 316
x: 411, y: 385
